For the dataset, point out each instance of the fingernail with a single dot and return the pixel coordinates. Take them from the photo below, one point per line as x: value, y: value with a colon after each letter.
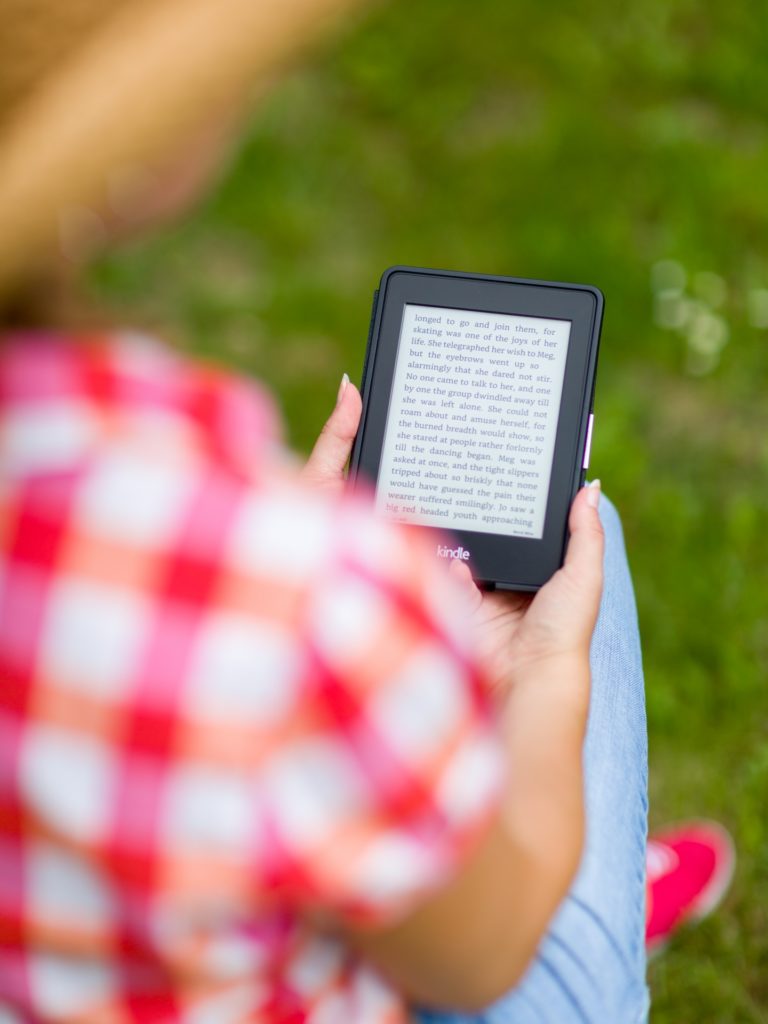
x: 342, y: 388
x: 593, y: 494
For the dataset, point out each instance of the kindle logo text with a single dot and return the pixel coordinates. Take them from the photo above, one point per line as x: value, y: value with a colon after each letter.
x: 444, y: 551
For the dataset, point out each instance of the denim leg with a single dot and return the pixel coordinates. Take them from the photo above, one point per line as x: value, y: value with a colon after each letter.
x: 590, y: 967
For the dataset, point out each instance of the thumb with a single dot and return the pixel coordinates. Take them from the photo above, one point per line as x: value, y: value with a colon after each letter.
x: 584, y: 557
x: 329, y: 456
x: 562, y: 616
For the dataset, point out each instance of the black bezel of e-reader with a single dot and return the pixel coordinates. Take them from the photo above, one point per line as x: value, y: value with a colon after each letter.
x: 503, y: 562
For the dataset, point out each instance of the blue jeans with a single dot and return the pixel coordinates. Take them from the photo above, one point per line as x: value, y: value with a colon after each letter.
x: 590, y: 967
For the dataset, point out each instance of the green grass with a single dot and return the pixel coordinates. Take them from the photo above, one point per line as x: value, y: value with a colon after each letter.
x: 583, y: 142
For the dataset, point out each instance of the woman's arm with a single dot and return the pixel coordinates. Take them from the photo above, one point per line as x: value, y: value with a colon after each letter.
x: 471, y: 941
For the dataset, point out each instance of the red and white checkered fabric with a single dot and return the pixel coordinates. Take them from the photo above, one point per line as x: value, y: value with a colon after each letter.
x: 227, y: 705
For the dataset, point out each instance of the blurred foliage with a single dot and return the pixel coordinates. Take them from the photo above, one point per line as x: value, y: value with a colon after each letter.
x: 567, y: 141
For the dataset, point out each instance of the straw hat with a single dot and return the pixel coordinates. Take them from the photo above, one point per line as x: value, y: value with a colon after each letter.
x: 90, y: 88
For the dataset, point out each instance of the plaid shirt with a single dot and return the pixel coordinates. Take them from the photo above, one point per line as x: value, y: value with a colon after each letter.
x: 228, y: 705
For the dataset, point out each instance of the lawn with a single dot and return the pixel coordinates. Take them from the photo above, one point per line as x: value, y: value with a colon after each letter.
x: 623, y: 146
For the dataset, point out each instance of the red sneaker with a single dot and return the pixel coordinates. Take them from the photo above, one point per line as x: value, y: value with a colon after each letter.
x: 689, y: 867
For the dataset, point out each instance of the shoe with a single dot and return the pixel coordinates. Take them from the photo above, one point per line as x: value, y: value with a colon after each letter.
x: 689, y: 868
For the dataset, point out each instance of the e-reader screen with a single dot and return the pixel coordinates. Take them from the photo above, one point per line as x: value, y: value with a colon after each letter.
x: 470, y: 431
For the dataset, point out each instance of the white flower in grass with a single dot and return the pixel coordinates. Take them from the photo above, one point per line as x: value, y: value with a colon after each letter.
x: 693, y: 315
x: 668, y: 276
x: 707, y: 334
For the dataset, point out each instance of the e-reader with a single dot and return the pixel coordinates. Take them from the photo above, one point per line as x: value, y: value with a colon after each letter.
x: 478, y: 396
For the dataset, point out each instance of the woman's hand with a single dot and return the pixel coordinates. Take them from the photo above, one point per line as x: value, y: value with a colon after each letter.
x: 519, y: 631
x: 325, y: 466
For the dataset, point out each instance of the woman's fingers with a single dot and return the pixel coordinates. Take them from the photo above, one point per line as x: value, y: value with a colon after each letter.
x: 325, y: 466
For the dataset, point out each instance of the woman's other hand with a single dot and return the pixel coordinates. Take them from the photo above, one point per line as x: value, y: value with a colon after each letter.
x: 326, y: 464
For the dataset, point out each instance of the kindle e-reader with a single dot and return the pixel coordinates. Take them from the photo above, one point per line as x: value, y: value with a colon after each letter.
x: 477, y: 414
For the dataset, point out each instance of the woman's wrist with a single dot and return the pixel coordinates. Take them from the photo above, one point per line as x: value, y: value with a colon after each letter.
x: 543, y: 722
x: 562, y: 678
x: 549, y: 702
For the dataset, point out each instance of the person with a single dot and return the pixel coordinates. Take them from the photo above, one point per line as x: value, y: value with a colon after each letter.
x: 262, y: 759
